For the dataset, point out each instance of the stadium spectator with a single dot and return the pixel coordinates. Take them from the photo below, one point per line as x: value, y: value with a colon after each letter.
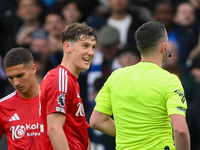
x: 124, y: 18
x: 29, y: 11
x: 128, y: 56
x: 54, y: 24
x: 164, y: 12
x: 72, y: 11
x: 184, y: 14
x: 185, y: 17
x: 40, y: 43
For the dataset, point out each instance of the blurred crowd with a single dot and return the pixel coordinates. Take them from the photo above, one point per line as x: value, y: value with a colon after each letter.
x: 38, y: 24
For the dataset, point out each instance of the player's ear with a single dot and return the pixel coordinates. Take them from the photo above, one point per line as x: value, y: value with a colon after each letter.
x: 66, y: 47
x: 33, y: 69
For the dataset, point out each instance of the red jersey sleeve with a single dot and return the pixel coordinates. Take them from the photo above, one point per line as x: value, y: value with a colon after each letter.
x: 57, y: 92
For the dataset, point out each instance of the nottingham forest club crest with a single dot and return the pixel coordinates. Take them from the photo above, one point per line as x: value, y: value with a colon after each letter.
x: 61, y: 99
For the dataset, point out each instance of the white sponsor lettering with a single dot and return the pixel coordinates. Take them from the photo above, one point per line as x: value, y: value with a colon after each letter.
x: 41, y: 128
x: 33, y: 126
x: 80, y: 111
x: 20, y: 130
x: 33, y: 134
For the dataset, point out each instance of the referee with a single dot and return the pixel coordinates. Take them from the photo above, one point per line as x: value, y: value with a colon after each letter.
x: 147, y: 102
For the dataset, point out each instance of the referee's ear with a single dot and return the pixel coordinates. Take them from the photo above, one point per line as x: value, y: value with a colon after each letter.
x: 162, y: 47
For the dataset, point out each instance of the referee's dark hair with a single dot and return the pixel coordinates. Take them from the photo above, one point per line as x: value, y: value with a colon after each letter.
x: 17, y: 56
x: 149, y: 35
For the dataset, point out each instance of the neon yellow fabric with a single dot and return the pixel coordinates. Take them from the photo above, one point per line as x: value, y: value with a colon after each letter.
x: 141, y: 99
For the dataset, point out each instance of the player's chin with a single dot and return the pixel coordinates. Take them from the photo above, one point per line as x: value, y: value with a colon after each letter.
x: 21, y: 91
x: 86, y: 67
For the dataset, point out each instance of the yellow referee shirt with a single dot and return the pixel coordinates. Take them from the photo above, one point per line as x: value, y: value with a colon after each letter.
x: 141, y: 98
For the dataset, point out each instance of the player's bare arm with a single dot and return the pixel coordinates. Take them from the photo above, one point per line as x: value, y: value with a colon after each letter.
x: 55, y: 123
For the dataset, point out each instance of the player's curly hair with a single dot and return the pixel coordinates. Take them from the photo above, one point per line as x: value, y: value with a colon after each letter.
x: 78, y: 31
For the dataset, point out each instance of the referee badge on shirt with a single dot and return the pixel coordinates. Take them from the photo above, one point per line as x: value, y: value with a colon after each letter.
x: 61, y: 99
x: 181, y: 94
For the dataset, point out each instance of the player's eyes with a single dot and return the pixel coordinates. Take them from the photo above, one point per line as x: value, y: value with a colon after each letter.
x: 10, y: 78
x: 85, y: 46
x: 94, y: 47
x: 20, y: 75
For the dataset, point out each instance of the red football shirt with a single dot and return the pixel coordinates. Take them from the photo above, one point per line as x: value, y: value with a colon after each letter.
x: 22, y: 122
x: 61, y: 92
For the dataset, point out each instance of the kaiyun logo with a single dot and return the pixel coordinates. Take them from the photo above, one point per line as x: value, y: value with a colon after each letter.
x: 20, y: 130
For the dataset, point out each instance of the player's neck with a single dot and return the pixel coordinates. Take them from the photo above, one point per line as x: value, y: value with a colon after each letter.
x: 71, y: 68
x: 32, y: 92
